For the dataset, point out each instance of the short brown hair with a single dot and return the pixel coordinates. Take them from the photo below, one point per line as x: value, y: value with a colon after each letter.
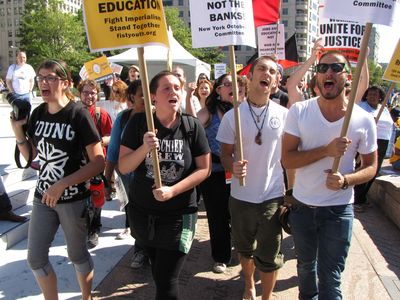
x: 90, y: 82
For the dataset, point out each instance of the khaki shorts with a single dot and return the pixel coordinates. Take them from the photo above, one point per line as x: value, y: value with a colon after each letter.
x: 257, y: 233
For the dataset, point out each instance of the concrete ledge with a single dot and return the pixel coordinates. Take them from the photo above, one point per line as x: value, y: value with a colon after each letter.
x: 385, y: 192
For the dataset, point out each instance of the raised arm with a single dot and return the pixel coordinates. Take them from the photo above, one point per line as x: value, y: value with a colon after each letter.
x: 364, y: 81
x: 294, y: 92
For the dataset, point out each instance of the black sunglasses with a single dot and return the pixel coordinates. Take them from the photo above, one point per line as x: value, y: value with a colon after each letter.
x: 335, y: 67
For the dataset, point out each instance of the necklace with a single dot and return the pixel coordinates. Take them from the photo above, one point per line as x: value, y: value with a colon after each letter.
x: 258, y: 139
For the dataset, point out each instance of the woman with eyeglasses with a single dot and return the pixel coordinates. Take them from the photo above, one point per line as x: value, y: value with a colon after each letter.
x: 117, y: 102
x: 64, y: 137
x: 163, y: 219
x: 214, y: 189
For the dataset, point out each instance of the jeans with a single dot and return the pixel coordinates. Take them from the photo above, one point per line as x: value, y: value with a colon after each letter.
x: 322, y: 238
x: 26, y: 97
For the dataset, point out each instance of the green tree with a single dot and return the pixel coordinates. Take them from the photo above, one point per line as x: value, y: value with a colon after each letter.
x: 46, y: 32
x: 183, y: 35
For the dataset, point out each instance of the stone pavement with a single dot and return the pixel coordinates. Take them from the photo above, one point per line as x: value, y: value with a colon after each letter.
x: 372, y: 269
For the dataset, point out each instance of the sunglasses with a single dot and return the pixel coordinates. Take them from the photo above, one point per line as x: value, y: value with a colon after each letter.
x: 335, y: 67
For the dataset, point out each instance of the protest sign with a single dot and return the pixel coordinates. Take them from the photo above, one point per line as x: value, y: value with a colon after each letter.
x: 271, y: 40
x: 218, y: 23
x: 392, y: 72
x: 116, y: 24
x: 219, y: 70
x: 98, y: 69
x: 363, y: 11
x: 341, y: 35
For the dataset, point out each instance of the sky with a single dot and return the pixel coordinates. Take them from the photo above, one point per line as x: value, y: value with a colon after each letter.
x: 389, y: 36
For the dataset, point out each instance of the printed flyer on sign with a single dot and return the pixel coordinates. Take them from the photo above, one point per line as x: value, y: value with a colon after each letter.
x: 268, y: 37
x: 222, y: 23
x: 116, y: 24
x: 98, y: 69
x: 363, y: 11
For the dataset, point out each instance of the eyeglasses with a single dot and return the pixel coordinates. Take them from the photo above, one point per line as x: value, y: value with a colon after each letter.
x: 335, y: 67
x: 49, y: 78
x: 86, y: 93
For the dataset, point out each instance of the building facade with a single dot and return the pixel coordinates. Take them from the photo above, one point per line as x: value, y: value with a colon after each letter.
x: 11, y: 12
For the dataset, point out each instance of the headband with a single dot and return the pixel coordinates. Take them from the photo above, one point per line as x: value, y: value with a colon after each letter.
x: 61, y: 67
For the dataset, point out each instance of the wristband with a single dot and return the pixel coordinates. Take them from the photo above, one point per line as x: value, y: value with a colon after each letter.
x: 345, y: 184
x: 20, y: 142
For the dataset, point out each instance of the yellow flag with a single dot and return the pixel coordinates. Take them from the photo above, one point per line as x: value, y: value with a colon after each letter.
x: 117, y: 24
x: 392, y: 72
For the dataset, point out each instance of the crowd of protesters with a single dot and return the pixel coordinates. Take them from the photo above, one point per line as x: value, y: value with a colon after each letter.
x: 291, y: 135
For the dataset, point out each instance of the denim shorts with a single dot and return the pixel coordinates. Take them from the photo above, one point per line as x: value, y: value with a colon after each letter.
x: 257, y: 233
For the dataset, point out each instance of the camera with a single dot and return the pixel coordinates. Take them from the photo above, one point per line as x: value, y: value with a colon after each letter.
x: 21, y: 108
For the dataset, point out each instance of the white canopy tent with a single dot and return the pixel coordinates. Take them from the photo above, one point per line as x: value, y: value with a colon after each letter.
x: 156, y: 60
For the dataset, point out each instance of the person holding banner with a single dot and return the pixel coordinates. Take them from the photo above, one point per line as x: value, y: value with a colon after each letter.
x: 256, y: 231
x: 371, y: 102
x: 296, y: 94
x: 321, y: 217
x: 215, y: 189
x: 64, y: 136
x: 163, y: 219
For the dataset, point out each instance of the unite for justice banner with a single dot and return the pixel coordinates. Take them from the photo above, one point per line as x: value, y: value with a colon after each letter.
x: 342, y: 35
x: 218, y: 23
x: 117, y: 24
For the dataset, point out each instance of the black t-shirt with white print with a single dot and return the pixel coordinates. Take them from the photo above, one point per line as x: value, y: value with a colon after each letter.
x: 60, y: 140
x: 176, y: 159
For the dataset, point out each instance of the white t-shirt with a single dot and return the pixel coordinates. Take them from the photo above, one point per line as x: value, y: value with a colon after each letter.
x: 21, y: 77
x: 264, y: 180
x: 385, y: 122
x: 306, y: 121
x: 112, y: 107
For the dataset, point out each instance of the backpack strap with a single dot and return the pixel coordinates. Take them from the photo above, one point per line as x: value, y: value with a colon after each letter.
x: 98, y: 120
x: 125, y: 116
x: 188, y: 126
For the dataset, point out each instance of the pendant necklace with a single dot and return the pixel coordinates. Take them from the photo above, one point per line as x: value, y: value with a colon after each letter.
x: 258, y: 139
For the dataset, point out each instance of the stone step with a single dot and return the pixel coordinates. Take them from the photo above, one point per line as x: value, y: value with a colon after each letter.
x: 385, y: 193
x: 20, y: 186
